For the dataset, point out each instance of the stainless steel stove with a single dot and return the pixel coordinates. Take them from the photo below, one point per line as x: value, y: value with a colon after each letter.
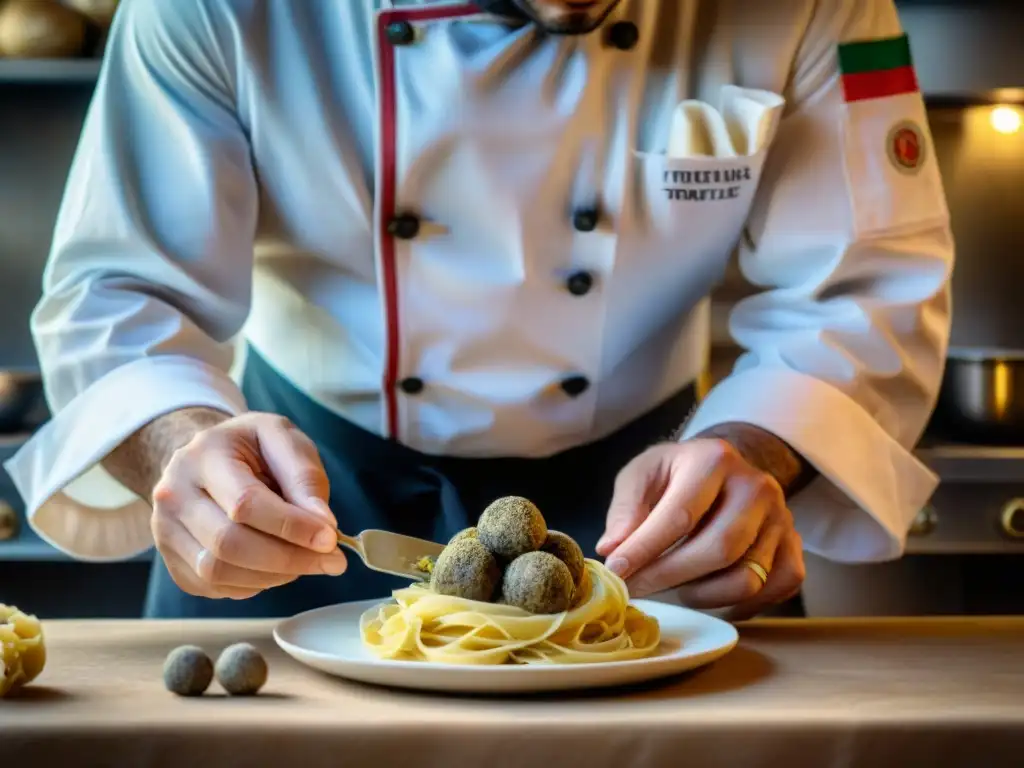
x: 979, y: 506
x: 964, y: 553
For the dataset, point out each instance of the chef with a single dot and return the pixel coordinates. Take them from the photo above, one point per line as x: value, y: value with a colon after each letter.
x: 465, y: 250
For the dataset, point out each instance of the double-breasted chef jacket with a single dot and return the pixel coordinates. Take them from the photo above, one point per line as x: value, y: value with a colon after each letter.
x: 478, y: 239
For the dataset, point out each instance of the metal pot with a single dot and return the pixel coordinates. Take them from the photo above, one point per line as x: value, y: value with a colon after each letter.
x: 22, y: 401
x: 982, y: 397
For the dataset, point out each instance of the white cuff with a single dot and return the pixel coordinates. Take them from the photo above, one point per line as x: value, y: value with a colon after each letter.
x: 870, y: 488
x: 90, y: 427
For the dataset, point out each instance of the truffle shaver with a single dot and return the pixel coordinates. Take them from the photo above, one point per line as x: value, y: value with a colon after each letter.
x: 392, y: 552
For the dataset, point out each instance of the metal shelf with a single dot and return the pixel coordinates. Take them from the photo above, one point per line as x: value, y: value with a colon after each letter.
x: 28, y: 548
x: 955, y: 463
x: 48, y: 71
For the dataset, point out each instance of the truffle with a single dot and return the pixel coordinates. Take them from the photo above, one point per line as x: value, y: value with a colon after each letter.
x: 465, y: 533
x: 565, y: 548
x: 241, y: 670
x: 466, y: 569
x: 538, y: 582
x: 511, y: 527
x: 582, y: 592
x: 188, y: 671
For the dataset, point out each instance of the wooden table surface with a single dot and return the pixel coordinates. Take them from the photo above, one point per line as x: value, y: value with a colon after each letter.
x: 942, y: 692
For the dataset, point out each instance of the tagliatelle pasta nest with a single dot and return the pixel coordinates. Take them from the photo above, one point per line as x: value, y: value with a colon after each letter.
x: 22, y: 649
x: 421, y: 625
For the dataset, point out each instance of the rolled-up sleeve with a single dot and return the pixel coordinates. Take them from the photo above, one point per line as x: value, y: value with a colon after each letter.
x: 850, y: 245
x: 149, y: 276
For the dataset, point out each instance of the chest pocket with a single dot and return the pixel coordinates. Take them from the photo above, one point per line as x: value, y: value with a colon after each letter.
x: 694, y: 198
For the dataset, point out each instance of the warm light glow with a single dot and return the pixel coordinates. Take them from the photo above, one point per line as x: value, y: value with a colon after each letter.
x: 1006, y: 120
x: 1002, y: 388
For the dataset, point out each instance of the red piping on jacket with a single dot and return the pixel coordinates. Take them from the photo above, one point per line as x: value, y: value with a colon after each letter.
x: 388, y: 182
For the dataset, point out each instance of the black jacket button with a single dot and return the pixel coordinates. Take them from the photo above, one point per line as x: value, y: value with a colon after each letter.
x: 400, y: 33
x: 412, y: 385
x: 585, y: 220
x: 405, y: 226
x: 574, y: 386
x: 580, y: 283
x: 623, y: 35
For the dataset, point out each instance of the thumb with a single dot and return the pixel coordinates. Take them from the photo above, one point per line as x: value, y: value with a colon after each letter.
x: 629, y: 506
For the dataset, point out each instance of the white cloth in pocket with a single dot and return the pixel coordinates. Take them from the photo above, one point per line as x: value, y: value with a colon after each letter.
x: 700, y: 190
x: 742, y: 126
x: 693, y: 198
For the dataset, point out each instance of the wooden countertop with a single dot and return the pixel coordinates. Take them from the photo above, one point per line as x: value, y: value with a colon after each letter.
x: 942, y: 692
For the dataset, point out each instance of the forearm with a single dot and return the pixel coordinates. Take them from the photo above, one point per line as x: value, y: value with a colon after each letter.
x: 767, y: 452
x: 139, y: 461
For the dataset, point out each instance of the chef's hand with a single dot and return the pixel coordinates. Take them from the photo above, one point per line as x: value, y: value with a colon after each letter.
x: 687, y: 515
x: 242, y: 507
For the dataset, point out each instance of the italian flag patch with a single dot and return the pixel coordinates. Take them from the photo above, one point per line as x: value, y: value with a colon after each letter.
x: 876, y: 69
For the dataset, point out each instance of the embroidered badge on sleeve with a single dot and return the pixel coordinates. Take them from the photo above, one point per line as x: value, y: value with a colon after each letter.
x: 894, y: 181
x: 906, y: 145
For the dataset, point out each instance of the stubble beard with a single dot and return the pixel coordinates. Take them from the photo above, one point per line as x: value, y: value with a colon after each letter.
x: 571, y: 23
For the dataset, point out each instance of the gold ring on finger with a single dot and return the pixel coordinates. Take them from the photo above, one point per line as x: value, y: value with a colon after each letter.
x: 758, y: 570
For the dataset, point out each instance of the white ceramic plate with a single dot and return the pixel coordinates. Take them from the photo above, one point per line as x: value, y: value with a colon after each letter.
x: 328, y: 639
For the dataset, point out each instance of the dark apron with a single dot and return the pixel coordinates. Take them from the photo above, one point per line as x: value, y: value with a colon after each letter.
x: 378, y: 483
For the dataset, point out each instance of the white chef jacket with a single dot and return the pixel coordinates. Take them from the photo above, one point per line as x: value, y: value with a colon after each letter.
x: 384, y: 199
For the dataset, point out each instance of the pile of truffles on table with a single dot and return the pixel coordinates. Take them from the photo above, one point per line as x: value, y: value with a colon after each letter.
x: 241, y: 670
x: 511, y: 557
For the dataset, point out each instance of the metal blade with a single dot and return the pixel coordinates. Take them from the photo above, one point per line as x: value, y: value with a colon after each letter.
x: 397, y: 554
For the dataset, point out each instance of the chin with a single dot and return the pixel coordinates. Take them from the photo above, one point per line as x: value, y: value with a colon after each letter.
x: 560, y: 19
x: 572, y: 24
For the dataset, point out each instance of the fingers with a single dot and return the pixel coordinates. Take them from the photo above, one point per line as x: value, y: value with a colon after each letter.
x: 201, y: 570
x: 638, y: 483
x: 236, y: 489
x: 746, y: 503
x: 295, y: 465
x: 784, y: 579
x: 172, y: 539
x: 187, y: 581
x: 242, y: 508
x: 709, y: 510
x: 738, y: 582
x: 694, y: 485
x: 234, y: 545
x: 215, y: 572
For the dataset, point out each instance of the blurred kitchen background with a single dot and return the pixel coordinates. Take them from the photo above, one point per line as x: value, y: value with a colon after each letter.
x: 967, y: 547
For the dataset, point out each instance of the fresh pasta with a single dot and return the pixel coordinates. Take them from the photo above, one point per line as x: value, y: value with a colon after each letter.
x: 22, y: 650
x: 421, y: 625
